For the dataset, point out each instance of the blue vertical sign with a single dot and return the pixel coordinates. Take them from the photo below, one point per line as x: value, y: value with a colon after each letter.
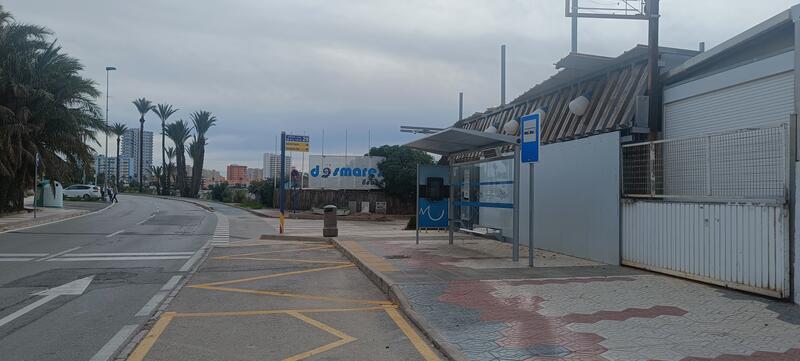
x: 530, y: 138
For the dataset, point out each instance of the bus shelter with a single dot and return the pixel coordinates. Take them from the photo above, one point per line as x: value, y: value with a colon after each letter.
x: 484, y: 176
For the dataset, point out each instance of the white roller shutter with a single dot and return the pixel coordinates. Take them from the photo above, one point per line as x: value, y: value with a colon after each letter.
x: 764, y: 101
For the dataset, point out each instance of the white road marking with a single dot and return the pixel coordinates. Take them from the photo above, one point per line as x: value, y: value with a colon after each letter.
x: 15, y: 259
x: 115, y: 233
x: 23, y: 254
x: 73, y: 288
x: 129, y: 254
x: 56, y: 254
x: 188, y: 265
x: 151, y: 305
x: 133, y: 258
x: 171, y: 283
x: 114, y: 343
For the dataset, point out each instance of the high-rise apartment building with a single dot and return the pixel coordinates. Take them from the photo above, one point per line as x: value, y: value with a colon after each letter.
x: 237, y: 175
x: 126, y: 167
x: 129, y: 148
x: 272, y: 165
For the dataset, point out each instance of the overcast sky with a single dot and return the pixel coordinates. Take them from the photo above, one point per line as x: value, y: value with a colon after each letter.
x: 372, y: 65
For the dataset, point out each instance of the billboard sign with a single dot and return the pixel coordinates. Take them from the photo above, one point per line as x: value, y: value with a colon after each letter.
x: 433, y: 196
x: 343, y: 172
x: 297, y: 143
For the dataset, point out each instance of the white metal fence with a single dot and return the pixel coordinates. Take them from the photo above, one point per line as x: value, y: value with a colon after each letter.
x: 746, y: 164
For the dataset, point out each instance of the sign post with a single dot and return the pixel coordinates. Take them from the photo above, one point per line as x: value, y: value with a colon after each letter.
x: 530, y: 125
x: 282, y: 195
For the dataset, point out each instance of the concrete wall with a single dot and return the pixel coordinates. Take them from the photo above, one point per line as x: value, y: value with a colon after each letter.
x: 796, y: 262
x: 576, y: 209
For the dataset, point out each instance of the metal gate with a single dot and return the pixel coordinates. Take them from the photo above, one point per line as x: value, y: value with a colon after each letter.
x: 711, y: 208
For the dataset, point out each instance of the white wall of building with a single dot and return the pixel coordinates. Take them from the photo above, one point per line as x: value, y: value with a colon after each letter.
x: 577, y: 198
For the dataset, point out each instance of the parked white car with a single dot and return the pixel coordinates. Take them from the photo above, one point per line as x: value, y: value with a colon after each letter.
x: 84, y: 191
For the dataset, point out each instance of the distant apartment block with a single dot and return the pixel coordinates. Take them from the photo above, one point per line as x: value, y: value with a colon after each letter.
x: 254, y: 174
x: 237, y: 174
x: 129, y: 148
x: 272, y: 165
x: 126, y: 167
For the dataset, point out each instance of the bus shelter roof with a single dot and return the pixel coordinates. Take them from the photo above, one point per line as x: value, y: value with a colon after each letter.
x: 458, y: 140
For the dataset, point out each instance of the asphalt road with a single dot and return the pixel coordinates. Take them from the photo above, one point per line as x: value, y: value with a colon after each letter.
x: 130, y: 254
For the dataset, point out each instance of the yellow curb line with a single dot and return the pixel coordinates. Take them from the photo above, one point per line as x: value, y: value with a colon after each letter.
x: 293, y: 295
x: 421, y: 346
x: 150, y: 339
x: 271, y: 276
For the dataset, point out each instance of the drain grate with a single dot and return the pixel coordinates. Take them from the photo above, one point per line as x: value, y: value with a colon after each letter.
x: 396, y: 256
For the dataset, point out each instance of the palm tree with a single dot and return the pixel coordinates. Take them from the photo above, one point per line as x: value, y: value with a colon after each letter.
x: 46, y: 108
x: 118, y: 130
x: 170, y: 169
x: 142, y: 106
x: 164, y: 111
x: 203, y: 121
x: 156, y: 172
x: 179, y: 132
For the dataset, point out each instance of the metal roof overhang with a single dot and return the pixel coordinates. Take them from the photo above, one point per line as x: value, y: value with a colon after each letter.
x: 458, y: 140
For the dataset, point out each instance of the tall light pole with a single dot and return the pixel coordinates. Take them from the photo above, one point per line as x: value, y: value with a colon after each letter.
x: 108, y: 164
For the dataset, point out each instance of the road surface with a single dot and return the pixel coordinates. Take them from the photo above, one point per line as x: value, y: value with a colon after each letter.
x: 126, y: 257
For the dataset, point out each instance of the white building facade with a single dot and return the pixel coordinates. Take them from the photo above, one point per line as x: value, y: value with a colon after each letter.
x: 272, y: 165
x: 129, y: 148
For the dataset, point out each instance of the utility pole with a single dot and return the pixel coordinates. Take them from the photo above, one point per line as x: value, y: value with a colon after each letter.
x: 653, y: 74
x: 460, y: 105
x: 503, y: 74
x: 108, y: 164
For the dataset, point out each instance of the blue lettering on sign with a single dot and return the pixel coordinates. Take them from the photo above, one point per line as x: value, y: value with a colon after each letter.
x: 344, y: 172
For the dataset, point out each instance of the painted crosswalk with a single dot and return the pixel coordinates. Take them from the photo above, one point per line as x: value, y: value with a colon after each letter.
x: 222, y: 234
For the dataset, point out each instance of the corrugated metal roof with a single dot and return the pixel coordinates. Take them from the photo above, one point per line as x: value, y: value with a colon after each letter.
x: 613, y: 82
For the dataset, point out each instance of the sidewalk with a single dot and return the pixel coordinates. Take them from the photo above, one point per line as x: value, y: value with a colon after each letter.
x: 476, y: 304
x: 25, y: 219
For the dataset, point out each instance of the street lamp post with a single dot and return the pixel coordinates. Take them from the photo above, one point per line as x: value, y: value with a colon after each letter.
x: 108, y: 163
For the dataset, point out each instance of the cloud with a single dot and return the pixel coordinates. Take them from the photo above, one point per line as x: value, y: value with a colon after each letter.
x: 362, y: 66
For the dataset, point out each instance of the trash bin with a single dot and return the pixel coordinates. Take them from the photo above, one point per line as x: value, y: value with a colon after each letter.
x: 329, y: 222
x: 46, y: 197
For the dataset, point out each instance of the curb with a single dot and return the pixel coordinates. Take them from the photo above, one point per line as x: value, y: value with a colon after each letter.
x: 186, y: 200
x: 387, y: 286
x: 44, y: 222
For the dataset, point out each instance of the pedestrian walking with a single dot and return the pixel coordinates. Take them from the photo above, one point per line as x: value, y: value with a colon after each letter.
x: 103, y: 193
x: 114, y: 192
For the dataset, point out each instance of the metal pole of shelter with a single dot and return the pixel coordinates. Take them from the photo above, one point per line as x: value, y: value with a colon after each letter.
x: 281, y: 194
x: 451, y: 223
x: 574, y: 26
x: 517, y: 165
x: 530, y: 219
x: 417, y: 207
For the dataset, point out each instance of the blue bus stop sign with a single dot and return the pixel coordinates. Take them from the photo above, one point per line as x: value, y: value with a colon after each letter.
x: 530, y: 138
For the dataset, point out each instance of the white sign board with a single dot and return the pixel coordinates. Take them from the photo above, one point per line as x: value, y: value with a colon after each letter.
x: 340, y: 172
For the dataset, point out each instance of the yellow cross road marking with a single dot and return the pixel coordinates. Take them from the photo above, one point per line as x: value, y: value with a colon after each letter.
x: 285, y: 260
x: 344, y: 338
x: 278, y: 251
x: 150, y: 339
x: 293, y: 295
x: 271, y: 276
x: 271, y: 312
x: 421, y: 346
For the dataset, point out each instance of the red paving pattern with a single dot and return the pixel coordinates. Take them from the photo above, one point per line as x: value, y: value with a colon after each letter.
x: 528, y: 328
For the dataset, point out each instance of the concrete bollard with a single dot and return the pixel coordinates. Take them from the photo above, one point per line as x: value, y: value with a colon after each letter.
x: 329, y: 224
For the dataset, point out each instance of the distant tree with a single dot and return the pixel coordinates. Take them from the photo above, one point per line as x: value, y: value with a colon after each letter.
x: 203, y: 121
x: 156, y: 172
x: 169, y: 172
x: 400, y: 169
x: 264, y: 191
x: 179, y: 132
x: 218, y: 191
x: 164, y: 111
x: 143, y: 106
x: 118, y: 130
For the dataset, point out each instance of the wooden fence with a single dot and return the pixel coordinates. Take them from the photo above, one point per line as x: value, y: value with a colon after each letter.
x: 318, y: 198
